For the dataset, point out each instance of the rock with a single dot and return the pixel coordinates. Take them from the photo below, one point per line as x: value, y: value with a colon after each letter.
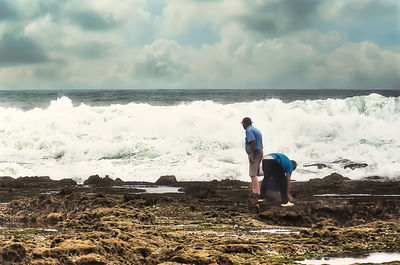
x: 6, y: 181
x: 335, y: 177
x: 119, y: 182
x: 376, y: 178
x: 67, y: 182
x: 167, y: 180
x: 65, y: 191
x: 96, y: 180
x: 353, y: 166
x: 91, y: 259
x: 35, y: 182
x: 318, y: 165
x: 201, y: 190
x: 54, y: 218
x: 14, y: 252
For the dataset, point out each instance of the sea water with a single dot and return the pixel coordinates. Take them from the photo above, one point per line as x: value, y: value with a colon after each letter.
x: 374, y: 258
x: 139, y: 135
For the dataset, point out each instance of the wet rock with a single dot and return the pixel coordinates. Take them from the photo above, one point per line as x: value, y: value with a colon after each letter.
x: 318, y: 165
x: 353, y: 166
x: 6, y: 181
x: 201, y: 190
x: 14, y: 252
x: 96, y: 180
x: 65, y: 191
x: 54, y: 218
x: 119, y: 182
x: 192, y: 256
x: 241, y: 248
x: 35, y: 182
x: 104, y: 227
x: 167, y: 180
x: 91, y: 259
x: 335, y: 177
x: 67, y: 183
x: 376, y: 178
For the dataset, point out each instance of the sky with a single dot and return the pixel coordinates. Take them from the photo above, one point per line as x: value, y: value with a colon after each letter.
x: 201, y: 44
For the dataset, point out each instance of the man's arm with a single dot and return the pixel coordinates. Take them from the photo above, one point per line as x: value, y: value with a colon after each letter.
x: 253, y: 149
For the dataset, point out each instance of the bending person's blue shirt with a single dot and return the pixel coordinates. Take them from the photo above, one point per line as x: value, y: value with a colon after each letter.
x: 285, y: 162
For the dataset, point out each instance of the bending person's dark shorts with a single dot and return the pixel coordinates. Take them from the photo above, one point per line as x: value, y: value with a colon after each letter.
x: 271, y: 169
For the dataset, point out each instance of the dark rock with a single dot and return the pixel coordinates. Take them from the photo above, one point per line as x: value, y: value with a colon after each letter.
x: 335, y: 177
x: 119, y: 182
x: 96, y: 180
x: 6, y: 181
x: 201, y: 190
x: 319, y: 166
x: 65, y: 191
x: 167, y: 180
x: 13, y: 253
x: 42, y: 182
x: 355, y: 165
x: 376, y: 178
x: 67, y: 182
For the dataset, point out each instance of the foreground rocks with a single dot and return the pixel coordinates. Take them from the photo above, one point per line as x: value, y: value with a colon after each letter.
x: 210, y: 223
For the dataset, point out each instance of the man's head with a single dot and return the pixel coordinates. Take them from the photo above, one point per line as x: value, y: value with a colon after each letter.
x: 246, y: 122
x: 294, y: 164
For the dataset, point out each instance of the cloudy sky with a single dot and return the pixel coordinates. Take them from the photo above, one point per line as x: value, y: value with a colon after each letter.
x: 53, y: 44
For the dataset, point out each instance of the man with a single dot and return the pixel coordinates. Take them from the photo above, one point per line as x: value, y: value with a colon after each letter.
x: 254, y: 150
x: 280, y: 167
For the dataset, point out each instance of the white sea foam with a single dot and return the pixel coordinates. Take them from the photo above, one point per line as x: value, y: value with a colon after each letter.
x: 202, y: 140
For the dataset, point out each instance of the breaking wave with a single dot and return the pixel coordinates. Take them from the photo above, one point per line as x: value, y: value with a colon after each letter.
x: 201, y: 140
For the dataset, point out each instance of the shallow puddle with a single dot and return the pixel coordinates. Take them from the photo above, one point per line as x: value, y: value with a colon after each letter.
x: 261, y: 231
x: 372, y: 258
x: 145, y: 189
x: 158, y: 189
x: 275, y: 231
x: 356, y: 195
x: 21, y: 226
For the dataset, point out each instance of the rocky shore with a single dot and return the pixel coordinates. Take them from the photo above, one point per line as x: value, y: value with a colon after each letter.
x: 107, y: 221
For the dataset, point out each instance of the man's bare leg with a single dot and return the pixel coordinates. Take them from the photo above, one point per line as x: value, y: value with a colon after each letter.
x: 254, y: 185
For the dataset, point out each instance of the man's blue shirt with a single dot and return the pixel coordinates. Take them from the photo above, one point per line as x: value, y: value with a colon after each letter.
x: 253, y: 133
x: 284, y: 161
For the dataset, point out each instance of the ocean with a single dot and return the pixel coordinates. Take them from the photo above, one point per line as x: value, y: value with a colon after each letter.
x: 140, y: 135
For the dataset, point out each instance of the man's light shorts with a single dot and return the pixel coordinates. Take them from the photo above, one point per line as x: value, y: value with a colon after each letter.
x: 255, y: 164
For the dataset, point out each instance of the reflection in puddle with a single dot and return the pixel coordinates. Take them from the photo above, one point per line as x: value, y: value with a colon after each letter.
x: 275, y: 231
x: 158, y: 189
x: 50, y: 192
x: 226, y: 235
x: 21, y: 227
x: 356, y: 195
x: 269, y: 230
x: 143, y: 189
x: 50, y: 230
x: 373, y: 258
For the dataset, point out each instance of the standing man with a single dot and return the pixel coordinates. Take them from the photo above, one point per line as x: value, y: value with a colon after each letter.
x: 254, y: 150
x: 280, y: 167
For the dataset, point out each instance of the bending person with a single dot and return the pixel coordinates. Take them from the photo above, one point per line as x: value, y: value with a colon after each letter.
x: 280, y: 167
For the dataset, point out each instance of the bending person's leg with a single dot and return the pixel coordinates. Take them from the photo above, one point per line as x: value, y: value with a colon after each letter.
x: 267, y: 165
x: 283, y: 185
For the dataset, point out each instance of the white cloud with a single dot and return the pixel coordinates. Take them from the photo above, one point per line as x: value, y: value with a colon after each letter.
x: 260, y: 44
x: 181, y: 15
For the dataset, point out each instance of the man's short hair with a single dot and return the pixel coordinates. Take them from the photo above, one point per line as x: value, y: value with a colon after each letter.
x: 246, y: 120
x: 294, y: 164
